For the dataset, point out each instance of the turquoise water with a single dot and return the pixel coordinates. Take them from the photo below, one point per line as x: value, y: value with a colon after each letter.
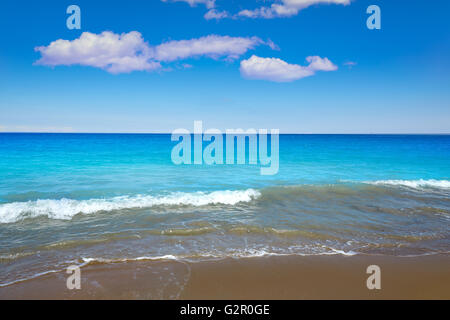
x: 77, y: 198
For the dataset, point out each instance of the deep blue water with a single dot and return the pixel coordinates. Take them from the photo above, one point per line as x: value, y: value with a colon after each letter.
x: 83, y: 166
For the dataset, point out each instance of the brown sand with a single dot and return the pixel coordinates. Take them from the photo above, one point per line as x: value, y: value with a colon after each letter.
x: 282, y: 277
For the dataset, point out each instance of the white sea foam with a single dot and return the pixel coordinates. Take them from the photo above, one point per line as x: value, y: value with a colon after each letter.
x: 345, y: 253
x: 421, y: 183
x: 87, y: 261
x: 65, y: 209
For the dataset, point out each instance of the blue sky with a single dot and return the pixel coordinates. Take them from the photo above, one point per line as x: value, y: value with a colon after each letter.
x: 237, y: 71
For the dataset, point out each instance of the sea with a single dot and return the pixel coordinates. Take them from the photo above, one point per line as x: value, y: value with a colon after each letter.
x: 78, y: 199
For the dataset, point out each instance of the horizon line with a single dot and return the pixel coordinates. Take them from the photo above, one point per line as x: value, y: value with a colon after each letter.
x: 284, y: 133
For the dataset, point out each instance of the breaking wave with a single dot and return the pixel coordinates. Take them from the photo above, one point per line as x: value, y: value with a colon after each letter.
x: 65, y: 209
x: 421, y: 183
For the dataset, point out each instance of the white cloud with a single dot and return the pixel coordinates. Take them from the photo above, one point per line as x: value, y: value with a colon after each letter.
x: 127, y: 52
x: 109, y: 51
x: 208, y: 3
x: 274, y: 69
x: 212, y: 46
x: 286, y: 8
x: 281, y: 8
x: 272, y: 45
x: 215, y: 14
x: 317, y: 63
x: 212, y: 13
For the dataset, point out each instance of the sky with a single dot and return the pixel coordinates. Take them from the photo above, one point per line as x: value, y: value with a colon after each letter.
x: 300, y: 66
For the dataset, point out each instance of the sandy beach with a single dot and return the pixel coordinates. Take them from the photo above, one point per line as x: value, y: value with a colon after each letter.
x: 272, y: 277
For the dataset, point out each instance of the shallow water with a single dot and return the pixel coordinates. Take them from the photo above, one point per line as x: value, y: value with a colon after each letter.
x: 103, y: 198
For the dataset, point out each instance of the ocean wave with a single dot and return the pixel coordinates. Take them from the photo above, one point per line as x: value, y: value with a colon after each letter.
x: 87, y: 261
x: 416, y: 184
x: 65, y: 209
x: 208, y: 256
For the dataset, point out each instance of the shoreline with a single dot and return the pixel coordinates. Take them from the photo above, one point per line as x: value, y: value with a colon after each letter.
x: 263, y: 278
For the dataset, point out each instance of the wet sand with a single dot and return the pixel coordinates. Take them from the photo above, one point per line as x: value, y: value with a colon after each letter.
x: 274, y: 277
